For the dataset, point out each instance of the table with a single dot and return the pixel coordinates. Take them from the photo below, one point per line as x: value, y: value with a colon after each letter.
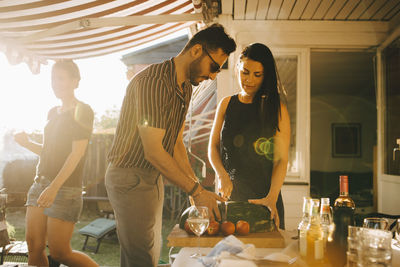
x: 183, y: 257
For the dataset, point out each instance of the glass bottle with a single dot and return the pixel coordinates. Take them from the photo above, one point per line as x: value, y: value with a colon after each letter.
x: 343, y: 216
x: 315, y: 236
x: 343, y: 212
x: 302, y: 227
x: 326, y: 218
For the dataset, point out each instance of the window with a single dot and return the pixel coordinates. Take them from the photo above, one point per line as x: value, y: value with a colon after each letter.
x: 293, y: 68
x: 287, y: 69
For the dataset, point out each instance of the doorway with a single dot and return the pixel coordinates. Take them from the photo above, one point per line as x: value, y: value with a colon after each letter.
x: 343, y: 125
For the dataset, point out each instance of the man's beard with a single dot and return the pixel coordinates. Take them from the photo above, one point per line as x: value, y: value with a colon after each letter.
x: 194, y: 71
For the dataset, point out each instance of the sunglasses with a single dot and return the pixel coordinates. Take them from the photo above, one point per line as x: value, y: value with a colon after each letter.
x: 215, y: 67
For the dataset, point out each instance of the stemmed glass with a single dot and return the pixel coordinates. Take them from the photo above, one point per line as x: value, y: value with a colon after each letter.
x: 198, y: 222
x: 376, y: 223
x: 397, y: 233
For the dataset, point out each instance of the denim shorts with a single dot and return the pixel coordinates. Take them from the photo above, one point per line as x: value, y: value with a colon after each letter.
x: 67, y: 205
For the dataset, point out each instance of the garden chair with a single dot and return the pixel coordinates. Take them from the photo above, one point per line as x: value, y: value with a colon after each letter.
x: 97, y: 229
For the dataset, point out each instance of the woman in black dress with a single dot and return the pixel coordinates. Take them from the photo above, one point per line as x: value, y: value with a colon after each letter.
x: 250, y: 138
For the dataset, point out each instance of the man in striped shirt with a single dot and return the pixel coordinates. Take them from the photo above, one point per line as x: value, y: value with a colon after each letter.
x: 148, y: 141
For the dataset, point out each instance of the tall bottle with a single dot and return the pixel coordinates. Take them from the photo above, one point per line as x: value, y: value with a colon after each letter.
x: 302, y: 228
x: 315, y: 236
x: 343, y: 212
x: 343, y: 216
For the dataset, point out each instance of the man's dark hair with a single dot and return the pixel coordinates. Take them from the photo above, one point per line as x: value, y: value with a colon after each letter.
x: 212, y: 38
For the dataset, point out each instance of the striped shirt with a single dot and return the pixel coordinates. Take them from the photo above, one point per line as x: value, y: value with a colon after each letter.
x: 152, y: 97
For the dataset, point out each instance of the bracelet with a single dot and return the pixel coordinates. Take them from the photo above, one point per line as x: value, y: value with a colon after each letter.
x: 193, y: 189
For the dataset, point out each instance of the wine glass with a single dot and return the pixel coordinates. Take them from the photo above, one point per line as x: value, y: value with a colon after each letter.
x: 198, y: 222
x: 397, y: 233
x: 376, y: 223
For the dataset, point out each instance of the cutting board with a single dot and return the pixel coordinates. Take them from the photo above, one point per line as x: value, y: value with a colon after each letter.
x: 179, y: 238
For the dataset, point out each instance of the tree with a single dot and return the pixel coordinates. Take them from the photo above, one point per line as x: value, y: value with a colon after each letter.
x: 108, y: 120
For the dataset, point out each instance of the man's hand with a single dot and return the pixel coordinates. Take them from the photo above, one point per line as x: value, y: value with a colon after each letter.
x: 209, y: 200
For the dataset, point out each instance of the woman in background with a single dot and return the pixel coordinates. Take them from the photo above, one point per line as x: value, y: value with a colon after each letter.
x: 250, y: 137
x: 54, y: 200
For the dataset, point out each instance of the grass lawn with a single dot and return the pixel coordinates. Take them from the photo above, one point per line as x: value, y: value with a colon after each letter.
x: 108, y: 254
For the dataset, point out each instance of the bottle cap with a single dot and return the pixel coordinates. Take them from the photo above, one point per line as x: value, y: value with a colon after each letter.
x: 344, y: 184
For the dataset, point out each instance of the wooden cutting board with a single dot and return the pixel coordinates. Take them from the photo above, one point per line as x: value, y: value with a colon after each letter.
x: 179, y: 238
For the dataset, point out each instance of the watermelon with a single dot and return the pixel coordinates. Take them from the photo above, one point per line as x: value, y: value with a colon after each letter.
x: 258, y: 216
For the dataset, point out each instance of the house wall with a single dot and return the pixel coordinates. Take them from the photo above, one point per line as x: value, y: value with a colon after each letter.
x: 329, y: 109
x: 311, y: 35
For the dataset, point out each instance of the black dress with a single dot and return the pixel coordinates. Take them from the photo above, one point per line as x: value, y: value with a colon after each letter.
x: 247, y: 153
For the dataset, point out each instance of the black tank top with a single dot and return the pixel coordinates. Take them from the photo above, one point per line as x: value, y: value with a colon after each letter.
x: 247, y: 152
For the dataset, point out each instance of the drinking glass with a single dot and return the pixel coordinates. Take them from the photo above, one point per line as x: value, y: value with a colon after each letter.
x: 376, y: 223
x: 397, y: 233
x: 198, y: 222
x: 352, y: 245
x: 375, y: 248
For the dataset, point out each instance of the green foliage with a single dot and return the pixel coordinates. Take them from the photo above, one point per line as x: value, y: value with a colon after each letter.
x: 108, y: 120
x: 10, y: 230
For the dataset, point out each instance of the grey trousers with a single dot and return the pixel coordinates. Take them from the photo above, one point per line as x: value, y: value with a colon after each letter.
x: 137, y: 197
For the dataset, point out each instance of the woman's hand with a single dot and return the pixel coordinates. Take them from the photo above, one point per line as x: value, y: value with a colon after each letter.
x: 225, y: 185
x: 270, y: 203
x: 47, y: 197
x: 21, y: 138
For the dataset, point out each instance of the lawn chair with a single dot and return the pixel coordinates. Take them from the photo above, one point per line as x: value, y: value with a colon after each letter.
x: 97, y: 229
x: 17, y: 251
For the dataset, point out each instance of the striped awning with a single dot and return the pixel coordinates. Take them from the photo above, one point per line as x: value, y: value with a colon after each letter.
x: 34, y: 31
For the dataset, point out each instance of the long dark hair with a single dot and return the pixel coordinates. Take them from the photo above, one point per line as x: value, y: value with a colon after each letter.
x: 268, y: 96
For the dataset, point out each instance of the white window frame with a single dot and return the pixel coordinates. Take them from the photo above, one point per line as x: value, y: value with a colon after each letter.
x: 303, y: 125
